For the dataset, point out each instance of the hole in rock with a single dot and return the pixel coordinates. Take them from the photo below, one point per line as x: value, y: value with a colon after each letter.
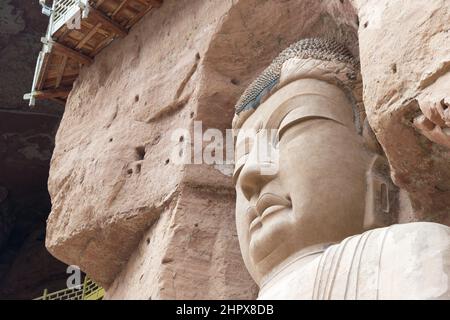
x: 138, y: 168
x: 394, y: 68
x: 140, y: 151
x: 156, y: 140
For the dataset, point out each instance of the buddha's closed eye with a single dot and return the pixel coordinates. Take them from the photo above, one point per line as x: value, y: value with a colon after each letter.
x: 294, y: 120
x: 273, y: 135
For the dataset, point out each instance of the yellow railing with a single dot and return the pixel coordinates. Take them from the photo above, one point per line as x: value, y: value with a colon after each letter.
x: 88, y: 291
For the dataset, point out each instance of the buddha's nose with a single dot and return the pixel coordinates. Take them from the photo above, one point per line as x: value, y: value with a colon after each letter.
x: 257, y: 172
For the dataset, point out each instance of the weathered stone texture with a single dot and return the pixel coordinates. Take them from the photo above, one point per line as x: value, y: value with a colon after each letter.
x: 112, y: 172
x: 189, y: 253
x: 405, y: 57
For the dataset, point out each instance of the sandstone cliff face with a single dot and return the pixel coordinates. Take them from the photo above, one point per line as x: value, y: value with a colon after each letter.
x: 112, y: 176
x: 405, y: 59
x: 148, y: 228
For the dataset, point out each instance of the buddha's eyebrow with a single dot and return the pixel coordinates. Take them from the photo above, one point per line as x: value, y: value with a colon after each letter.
x: 289, y: 121
x: 327, y: 107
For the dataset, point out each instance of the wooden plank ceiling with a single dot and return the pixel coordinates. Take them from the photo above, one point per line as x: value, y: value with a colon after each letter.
x: 73, y: 48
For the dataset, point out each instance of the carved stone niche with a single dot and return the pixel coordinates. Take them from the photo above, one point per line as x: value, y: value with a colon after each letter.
x: 316, y: 210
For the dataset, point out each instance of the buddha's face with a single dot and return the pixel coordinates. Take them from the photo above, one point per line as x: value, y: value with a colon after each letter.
x: 310, y: 188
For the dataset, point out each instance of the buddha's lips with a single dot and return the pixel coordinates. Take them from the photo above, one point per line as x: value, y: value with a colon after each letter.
x: 267, y: 204
x: 268, y: 200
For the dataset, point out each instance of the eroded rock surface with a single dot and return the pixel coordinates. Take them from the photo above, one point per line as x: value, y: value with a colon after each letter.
x: 405, y: 61
x: 112, y: 175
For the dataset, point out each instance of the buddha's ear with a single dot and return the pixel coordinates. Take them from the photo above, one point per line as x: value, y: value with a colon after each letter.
x: 381, y: 195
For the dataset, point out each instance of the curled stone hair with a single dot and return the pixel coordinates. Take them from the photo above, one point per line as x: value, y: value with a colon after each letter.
x: 323, y: 59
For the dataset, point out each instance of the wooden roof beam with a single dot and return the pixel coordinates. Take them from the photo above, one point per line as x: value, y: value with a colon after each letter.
x: 88, y: 36
x: 43, y: 70
x: 120, y: 7
x: 62, y: 92
x: 102, y: 44
x: 107, y: 22
x: 61, y: 70
x: 69, y: 52
x: 151, y: 5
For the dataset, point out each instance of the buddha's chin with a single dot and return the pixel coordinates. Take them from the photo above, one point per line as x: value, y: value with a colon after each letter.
x: 267, y: 241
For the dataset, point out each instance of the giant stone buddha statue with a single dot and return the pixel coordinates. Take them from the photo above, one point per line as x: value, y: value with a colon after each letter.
x: 316, y: 210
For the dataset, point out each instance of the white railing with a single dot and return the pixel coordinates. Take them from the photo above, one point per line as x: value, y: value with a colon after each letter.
x: 61, y: 12
x: 64, y: 12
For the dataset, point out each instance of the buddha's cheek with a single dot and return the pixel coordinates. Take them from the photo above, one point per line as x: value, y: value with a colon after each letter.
x: 324, y: 170
x: 242, y: 226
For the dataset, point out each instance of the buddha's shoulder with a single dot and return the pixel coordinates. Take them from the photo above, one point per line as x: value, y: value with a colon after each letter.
x: 409, y: 260
x: 415, y: 239
x: 421, y: 228
x: 404, y: 261
x: 417, y: 235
